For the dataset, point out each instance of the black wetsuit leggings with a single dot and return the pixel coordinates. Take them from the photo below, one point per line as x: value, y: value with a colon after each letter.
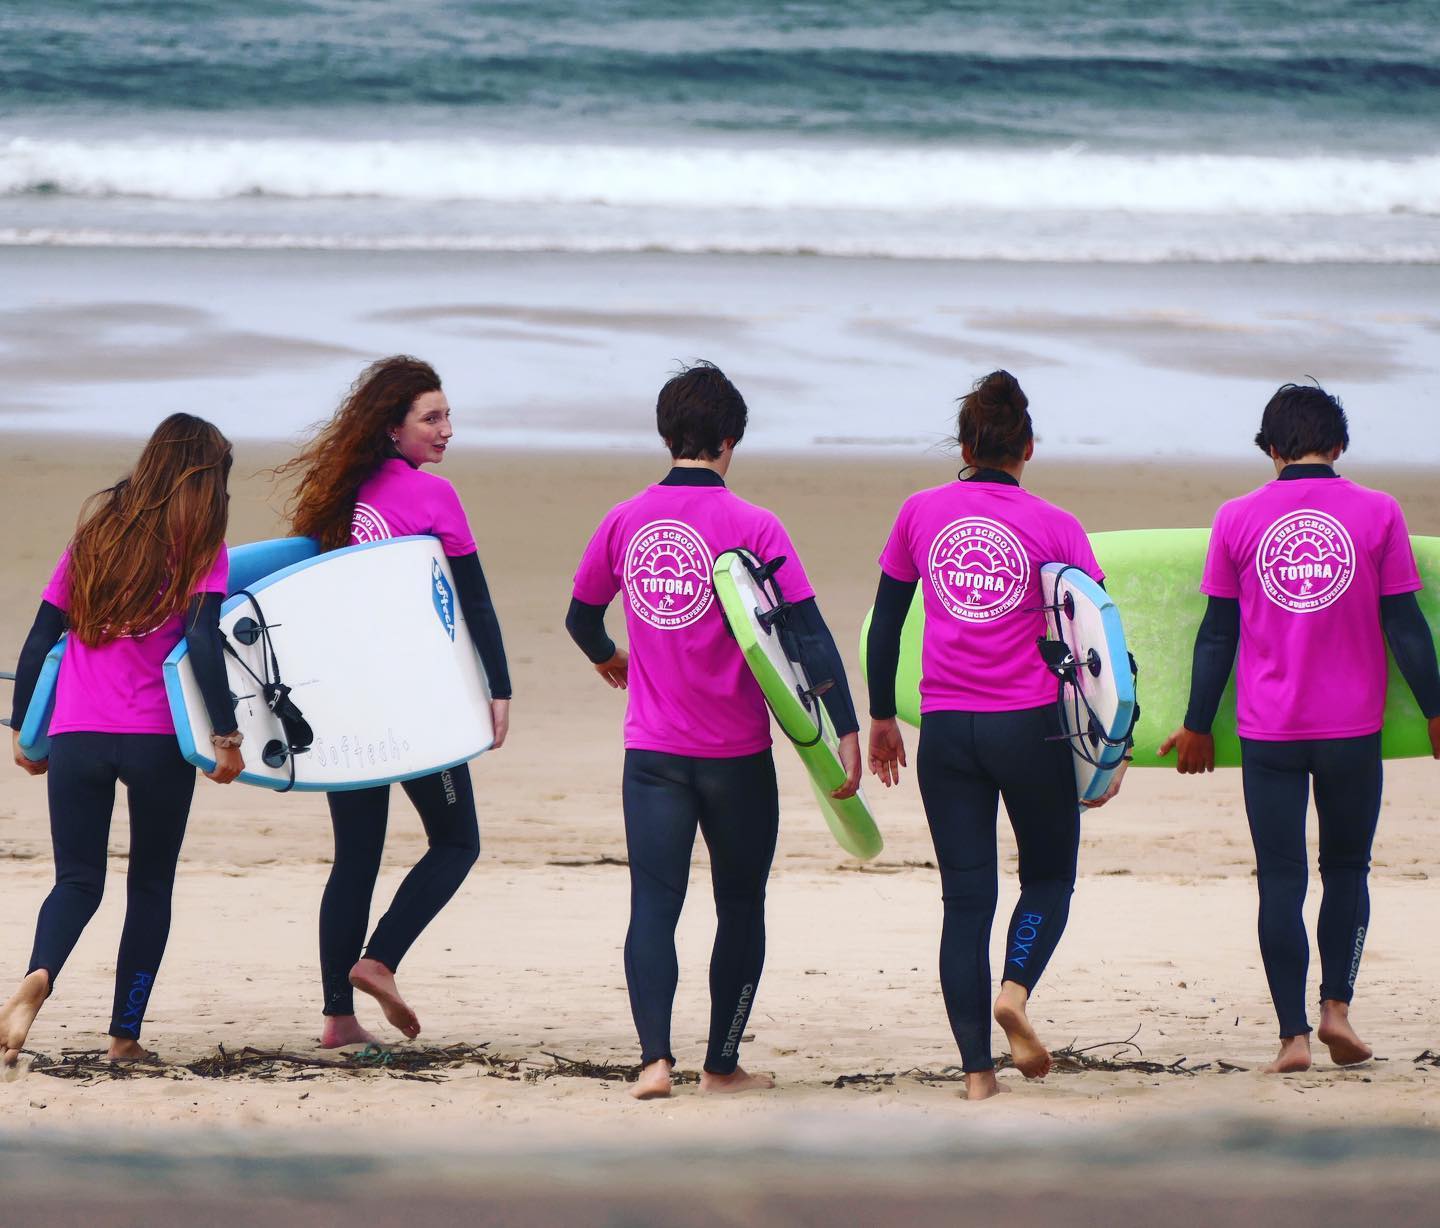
x: 1348, y: 776
x: 84, y: 770
x: 736, y: 806
x: 967, y: 762
x: 446, y: 802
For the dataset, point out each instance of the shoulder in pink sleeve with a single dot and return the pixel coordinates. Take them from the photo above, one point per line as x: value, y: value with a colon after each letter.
x: 217, y: 579
x: 897, y: 560
x: 57, y: 591
x: 1398, y: 570
x: 448, y: 520
x: 772, y: 541
x: 597, y: 577
x: 1079, y: 552
x: 1220, y: 578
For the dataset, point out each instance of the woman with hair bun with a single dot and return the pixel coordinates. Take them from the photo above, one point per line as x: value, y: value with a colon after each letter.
x: 146, y: 568
x: 990, y: 727
x: 361, y: 480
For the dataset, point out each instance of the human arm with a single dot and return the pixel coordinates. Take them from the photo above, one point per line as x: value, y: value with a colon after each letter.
x: 48, y: 627
x: 1408, y: 635
x: 473, y: 594
x: 805, y: 617
x: 882, y: 656
x: 1213, y: 658
x: 586, y: 624
x: 206, y: 650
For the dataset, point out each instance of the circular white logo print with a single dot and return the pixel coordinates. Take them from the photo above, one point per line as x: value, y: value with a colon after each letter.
x: 1305, y: 561
x: 367, y: 525
x: 668, y: 574
x: 979, y: 569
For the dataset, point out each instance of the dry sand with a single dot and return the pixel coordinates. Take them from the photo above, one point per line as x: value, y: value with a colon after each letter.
x: 1161, y: 943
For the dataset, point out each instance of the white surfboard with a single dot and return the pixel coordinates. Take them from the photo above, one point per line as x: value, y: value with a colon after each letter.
x: 374, y: 649
x: 248, y: 563
x: 1097, y: 679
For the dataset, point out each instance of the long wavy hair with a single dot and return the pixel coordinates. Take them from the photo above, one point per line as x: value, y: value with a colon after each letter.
x: 347, y: 449
x: 143, y: 545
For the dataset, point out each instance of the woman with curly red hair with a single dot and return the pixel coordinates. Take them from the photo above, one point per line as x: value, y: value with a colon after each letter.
x: 360, y: 479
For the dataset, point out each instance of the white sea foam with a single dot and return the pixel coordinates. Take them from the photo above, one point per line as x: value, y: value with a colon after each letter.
x: 809, y: 177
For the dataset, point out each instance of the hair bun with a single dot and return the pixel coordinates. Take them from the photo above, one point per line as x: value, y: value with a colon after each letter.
x: 995, y: 419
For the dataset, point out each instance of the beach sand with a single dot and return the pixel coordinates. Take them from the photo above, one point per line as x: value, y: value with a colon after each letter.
x: 1161, y: 947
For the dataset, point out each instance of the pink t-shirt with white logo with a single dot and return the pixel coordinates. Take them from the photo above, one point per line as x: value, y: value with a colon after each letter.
x: 400, y: 501
x: 976, y: 548
x: 1309, y: 559
x: 691, y: 692
x: 119, y: 686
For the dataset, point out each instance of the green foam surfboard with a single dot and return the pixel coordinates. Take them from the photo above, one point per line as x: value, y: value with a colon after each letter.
x: 1154, y: 576
x: 801, y: 717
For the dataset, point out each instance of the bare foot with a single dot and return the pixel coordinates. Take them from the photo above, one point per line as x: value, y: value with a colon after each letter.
x: 1294, y: 1055
x: 654, y: 1081
x: 372, y: 977
x: 123, y: 1049
x: 18, y: 1014
x: 736, y: 1081
x: 342, y: 1030
x: 983, y: 1084
x: 1031, y: 1058
x: 1337, y: 1034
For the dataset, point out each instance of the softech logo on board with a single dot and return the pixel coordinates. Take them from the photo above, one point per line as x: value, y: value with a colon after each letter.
x: 668, y: 574
x: 978, y: 568
x: 1305, y: 561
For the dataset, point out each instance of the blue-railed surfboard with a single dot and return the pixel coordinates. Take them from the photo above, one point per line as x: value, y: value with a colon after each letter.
x: 372, y: 645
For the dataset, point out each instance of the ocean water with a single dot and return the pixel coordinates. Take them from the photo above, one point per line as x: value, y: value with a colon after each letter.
x: 1293, y: 131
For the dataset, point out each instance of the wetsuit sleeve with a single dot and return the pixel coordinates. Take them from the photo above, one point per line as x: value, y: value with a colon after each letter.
x: 474, y: 596
x: 1408, y: 635
x: 207, y: 660
x: 1215, y: 646
x: 882, y: 645
x: 805, y: 616
x: 586, y: 624
x: 49, y: 626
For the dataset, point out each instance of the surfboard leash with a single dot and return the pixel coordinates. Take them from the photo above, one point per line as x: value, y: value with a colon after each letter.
x: 1062, y: 662
x: 775, y: 621
x: 276, y: 695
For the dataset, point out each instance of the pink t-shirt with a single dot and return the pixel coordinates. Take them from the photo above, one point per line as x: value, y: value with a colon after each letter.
x: 691, y: 692
x: 977, y: 548
x: 119, y: 686
x: 1309, y: 559
x: 398, y: 501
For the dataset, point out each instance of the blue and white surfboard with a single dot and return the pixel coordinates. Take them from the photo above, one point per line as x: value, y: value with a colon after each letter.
x: 372, y: 645
x: 248, y: 563
x: 1097, y: 688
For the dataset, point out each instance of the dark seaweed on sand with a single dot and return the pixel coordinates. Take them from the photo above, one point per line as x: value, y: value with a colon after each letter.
x: 1069, y: 1060
x: 426, y: 1065
x: 582, y: 1068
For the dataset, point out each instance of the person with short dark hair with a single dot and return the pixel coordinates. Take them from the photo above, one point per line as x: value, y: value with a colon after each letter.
x: 989, y: 727
x: 697, y: 729
x: 1308, y: 577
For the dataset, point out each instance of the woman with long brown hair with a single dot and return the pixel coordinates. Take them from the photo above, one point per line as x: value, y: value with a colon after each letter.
x: 360, y: 480
x: 989, y: 724
x: 146, y: 567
